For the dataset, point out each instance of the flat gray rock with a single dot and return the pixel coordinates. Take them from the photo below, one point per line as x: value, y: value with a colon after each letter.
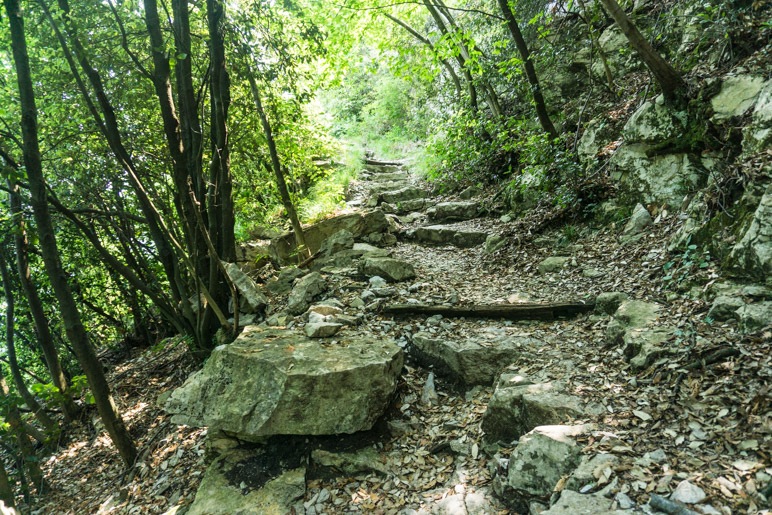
x: 393, y: 270
x: 517, y: 407
x: 274, y: 382
x: 542, y: 457
x: 447, y: 211
x: 468, y: 361
x: 447, y: 235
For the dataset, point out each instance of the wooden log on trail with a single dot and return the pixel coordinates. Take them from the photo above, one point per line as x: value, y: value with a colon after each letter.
x: 375, y: 162
x: 530, y: 311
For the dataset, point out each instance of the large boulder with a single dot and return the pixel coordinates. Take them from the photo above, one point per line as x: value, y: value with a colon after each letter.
x: 274, y: 382
x: 517, y: 406
x: 391, y: 269
x: 358, y: 224
x: 652, y: 177
x: 655, y: 123
x: 304, y: 292
x: 471, y: 361
x: 738, y: 94
x: 447, y: 235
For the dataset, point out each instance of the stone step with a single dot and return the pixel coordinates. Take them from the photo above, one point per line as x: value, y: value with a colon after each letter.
x: 382, y: 177
x: 447, y: 235
x: 453, y: 211
x: 403, y: 194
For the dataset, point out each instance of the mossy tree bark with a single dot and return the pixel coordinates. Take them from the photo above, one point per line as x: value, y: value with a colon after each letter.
x: 530, y: 72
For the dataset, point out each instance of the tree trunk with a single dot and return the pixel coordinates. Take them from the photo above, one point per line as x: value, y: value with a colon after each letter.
x: 281, y: 183
x: 32, y: 403
x: 74, y: 327
x: 6, y: 492
x: 672, y: 84
x: 42, y: 329
x: 530, y: 71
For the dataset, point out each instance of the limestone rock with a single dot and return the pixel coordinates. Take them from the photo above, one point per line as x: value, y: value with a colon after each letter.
x: 591, y: 470
x: 644, y: 346
x: 403, y: 194
x: 305, y: 291
x: 724, y: 307
x: 493, y: 243
x: 574, y: 503
x: 631, y: 314
x: 752, y: 256
x: 219, y: 495
x: 447, y: 235
x: 758, y: 134
x: 251, y: 299
x: 445, y: 211
x: 609, y: 302
x: 283, y: 283
x: 688, y: 493
x: 469, y: 361
x: 639, y: 220
x: 540, y: 459
x: 322, y: 329
x: 553, y: 264
x: 341, y: 240
x: 737, y: 95
x: 656, y: 178
x: 654, y: 123
x: 358, y: 224
x: 755, y: 316
x: 270, y: 382
x: 517, y: 407
x: 391, y: 269
x: 597, y: 134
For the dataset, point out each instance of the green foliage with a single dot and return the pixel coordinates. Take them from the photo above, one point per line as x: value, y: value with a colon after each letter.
x: 683, y: 267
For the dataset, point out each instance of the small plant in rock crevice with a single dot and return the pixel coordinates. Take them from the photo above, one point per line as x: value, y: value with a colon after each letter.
x: 683, y: 267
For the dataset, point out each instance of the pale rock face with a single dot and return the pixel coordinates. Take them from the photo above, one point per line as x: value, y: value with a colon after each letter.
x: 654, y: 123
x: 663, y: 178
x: 737, y: 95
x: 752, y: 255
x: 758, y: 135
x: 275, y: 382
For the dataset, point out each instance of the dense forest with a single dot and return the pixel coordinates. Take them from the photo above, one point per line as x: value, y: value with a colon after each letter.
x: 146, y: 146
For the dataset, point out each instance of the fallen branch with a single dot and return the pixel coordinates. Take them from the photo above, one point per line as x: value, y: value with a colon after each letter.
x: 539, y: 311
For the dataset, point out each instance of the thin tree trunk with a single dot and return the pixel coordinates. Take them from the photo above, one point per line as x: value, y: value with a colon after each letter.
x: 6, y: 492
x: 530, y: 71
x: 490, y: 94
x: 451, y: 72
x: 281, y: 183
x: 673, y: 85
x: 74, y: 327
x: 32, y: 403
x: 42, y: 329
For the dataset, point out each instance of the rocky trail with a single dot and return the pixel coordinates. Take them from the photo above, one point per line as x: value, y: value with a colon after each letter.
x: 653, y: 399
